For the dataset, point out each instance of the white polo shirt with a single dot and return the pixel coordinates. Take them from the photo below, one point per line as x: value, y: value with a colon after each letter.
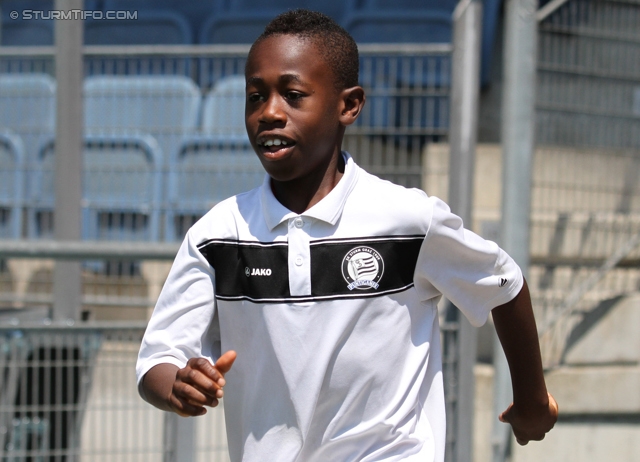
x: 333, y: 316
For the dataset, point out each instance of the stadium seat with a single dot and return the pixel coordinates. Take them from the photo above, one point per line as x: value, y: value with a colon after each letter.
x: 406, y: 92
x: 413, y: 5
x: 151, y: 27
x: 242, y: 21
x: 195, y: 12
x: 365, y: 32
x: 11, y: 185
x: 166, y: 107
x: 28, y: 107
x: 233, y: 27
x: 400, y: 26
x: 214, y: 165
x: 122, y: 187
x: 223, y: 108
x: 405, y: 21
x: 26, y: 32
x: 333, y: 8
x: 207, y: 170
x: 32, y: 30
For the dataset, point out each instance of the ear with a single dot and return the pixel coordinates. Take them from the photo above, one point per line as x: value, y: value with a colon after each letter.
x: 351, y: 104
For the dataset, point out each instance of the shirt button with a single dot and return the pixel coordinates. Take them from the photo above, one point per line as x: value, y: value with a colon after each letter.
x: 298, y: 222
x: 298, y: 260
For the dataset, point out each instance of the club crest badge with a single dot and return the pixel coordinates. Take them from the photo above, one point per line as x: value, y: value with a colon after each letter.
x: 362, y: 268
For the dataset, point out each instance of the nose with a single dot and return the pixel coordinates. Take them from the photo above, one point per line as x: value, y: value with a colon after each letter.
x: 273, y: 111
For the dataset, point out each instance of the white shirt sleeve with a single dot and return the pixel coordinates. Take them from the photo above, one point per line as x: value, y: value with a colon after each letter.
x: 184, y: 323
x: 474, y: 274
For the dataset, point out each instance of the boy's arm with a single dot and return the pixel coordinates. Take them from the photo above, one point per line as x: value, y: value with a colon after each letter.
x: 186, y: 391
x: 533, y: 411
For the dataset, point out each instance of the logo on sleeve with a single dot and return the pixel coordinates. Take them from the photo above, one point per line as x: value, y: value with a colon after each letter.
x: 362, y: 268
x: 503, y: 282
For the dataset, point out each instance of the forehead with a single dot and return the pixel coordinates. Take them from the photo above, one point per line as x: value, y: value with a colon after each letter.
x: 287, y: 55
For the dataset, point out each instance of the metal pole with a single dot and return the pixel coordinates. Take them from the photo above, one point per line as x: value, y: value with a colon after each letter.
x: 465, y: 91
x: 68, y: 163
x: 179, y: 438
x: 518, y: 118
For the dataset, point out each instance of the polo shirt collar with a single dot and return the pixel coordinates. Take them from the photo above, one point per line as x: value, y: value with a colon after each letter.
x: 328, y: 209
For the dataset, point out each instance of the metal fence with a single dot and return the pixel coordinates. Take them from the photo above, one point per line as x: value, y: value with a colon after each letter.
x: 585, y: 224
x: 158, y: 153
x: 69, y: 394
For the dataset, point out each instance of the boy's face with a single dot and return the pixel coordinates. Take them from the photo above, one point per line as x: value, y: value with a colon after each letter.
x: 293, y: 109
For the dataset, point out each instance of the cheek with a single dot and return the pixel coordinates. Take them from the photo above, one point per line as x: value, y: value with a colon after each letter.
x: 326, y: 122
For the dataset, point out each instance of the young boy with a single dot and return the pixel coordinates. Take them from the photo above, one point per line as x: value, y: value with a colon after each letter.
x: 312, y: 299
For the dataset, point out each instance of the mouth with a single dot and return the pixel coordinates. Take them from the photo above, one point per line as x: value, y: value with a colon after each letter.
x: 274, y: 147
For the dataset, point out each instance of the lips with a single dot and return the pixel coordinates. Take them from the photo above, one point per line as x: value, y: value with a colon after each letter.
x: 274, y: 147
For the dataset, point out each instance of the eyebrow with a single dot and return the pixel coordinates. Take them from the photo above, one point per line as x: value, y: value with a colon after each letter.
x: 291, y: 78
x: 285, y: 78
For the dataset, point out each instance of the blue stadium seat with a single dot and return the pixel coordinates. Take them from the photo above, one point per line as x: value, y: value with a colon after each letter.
x: 17, y: 5
x: 166, y: 107
x: 26, y: 32
x: 242, y: 21
x: 214, y: 165
x: 207, y: 170
x: 404, y: 5
x: 11, y: 185
x: 122, y: 188
x: 233, y: 27
x: 333, y: 8
x: 393, y: 26
x: 195, y: 12
x: 405, y: 21
x: 490, y: 16
x: 151, y: 27
x: 34, y: 31
x: 223, y: 108
x: 28, y: 107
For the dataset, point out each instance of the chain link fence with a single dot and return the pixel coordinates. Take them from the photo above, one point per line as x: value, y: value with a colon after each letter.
x: 585, y: 223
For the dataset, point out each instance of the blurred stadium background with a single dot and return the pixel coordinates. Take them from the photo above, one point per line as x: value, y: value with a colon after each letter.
x: 162, y: 135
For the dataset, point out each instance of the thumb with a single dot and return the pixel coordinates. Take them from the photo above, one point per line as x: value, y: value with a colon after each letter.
x: 506, y: 415
x: 224, y: 362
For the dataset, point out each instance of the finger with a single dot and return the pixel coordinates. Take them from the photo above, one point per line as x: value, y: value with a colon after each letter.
x: 224, y: 362
x: 522, y: 442
x: 194, y: 395
x: 506, y: 415
x: 196, y: 379
x: 209, y: 370
x: 553, y: 405
x: 184, y: 408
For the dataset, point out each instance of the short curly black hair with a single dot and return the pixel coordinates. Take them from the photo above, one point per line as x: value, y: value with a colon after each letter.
x: 334, y: 43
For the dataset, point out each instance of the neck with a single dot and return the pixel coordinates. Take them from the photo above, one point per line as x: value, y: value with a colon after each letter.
x: 303, y: 193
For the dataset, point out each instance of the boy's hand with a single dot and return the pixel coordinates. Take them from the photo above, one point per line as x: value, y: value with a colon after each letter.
x: 199, y: 384
x: 531, y: 424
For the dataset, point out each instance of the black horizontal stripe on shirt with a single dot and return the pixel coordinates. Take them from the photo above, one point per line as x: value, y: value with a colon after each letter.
x: 258, y: 271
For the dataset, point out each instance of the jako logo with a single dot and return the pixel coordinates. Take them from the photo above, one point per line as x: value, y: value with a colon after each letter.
x: 257, y: 271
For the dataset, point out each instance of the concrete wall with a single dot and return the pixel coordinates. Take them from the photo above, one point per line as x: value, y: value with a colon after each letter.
x: 598, y: 391
x: 598, y: 385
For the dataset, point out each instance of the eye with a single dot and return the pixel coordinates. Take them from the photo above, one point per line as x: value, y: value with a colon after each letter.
x: 293, y: 95
x: 254, y: 97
